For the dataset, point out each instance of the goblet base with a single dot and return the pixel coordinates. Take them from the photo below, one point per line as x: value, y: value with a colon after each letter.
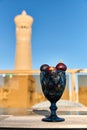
x: 53, y: 116
x: 53, y: 119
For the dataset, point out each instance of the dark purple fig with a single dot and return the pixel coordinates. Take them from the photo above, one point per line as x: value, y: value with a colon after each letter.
x: 51, y: 69
x: 61, y: 66
x: 44, y: 67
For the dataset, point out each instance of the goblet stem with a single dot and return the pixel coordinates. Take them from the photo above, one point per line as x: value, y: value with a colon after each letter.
x: 53, y: 109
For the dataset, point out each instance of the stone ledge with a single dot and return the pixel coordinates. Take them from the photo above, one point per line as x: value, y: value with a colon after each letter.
x: 71, y: 121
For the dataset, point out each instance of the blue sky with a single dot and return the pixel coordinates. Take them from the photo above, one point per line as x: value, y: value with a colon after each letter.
x: 59, y: 32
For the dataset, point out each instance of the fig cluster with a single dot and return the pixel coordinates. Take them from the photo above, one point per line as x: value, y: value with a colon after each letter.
x: 59, y: 66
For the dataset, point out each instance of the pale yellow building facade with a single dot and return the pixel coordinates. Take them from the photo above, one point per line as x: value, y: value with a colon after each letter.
x: 19, y: 90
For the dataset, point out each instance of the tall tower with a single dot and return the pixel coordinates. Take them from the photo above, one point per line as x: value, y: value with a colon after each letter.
x: 23, y: 58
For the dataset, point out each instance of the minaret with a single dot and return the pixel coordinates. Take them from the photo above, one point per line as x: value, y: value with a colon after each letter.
x: 23, y: 58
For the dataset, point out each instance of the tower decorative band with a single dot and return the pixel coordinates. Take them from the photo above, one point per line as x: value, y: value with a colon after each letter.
x: 23, y: 57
